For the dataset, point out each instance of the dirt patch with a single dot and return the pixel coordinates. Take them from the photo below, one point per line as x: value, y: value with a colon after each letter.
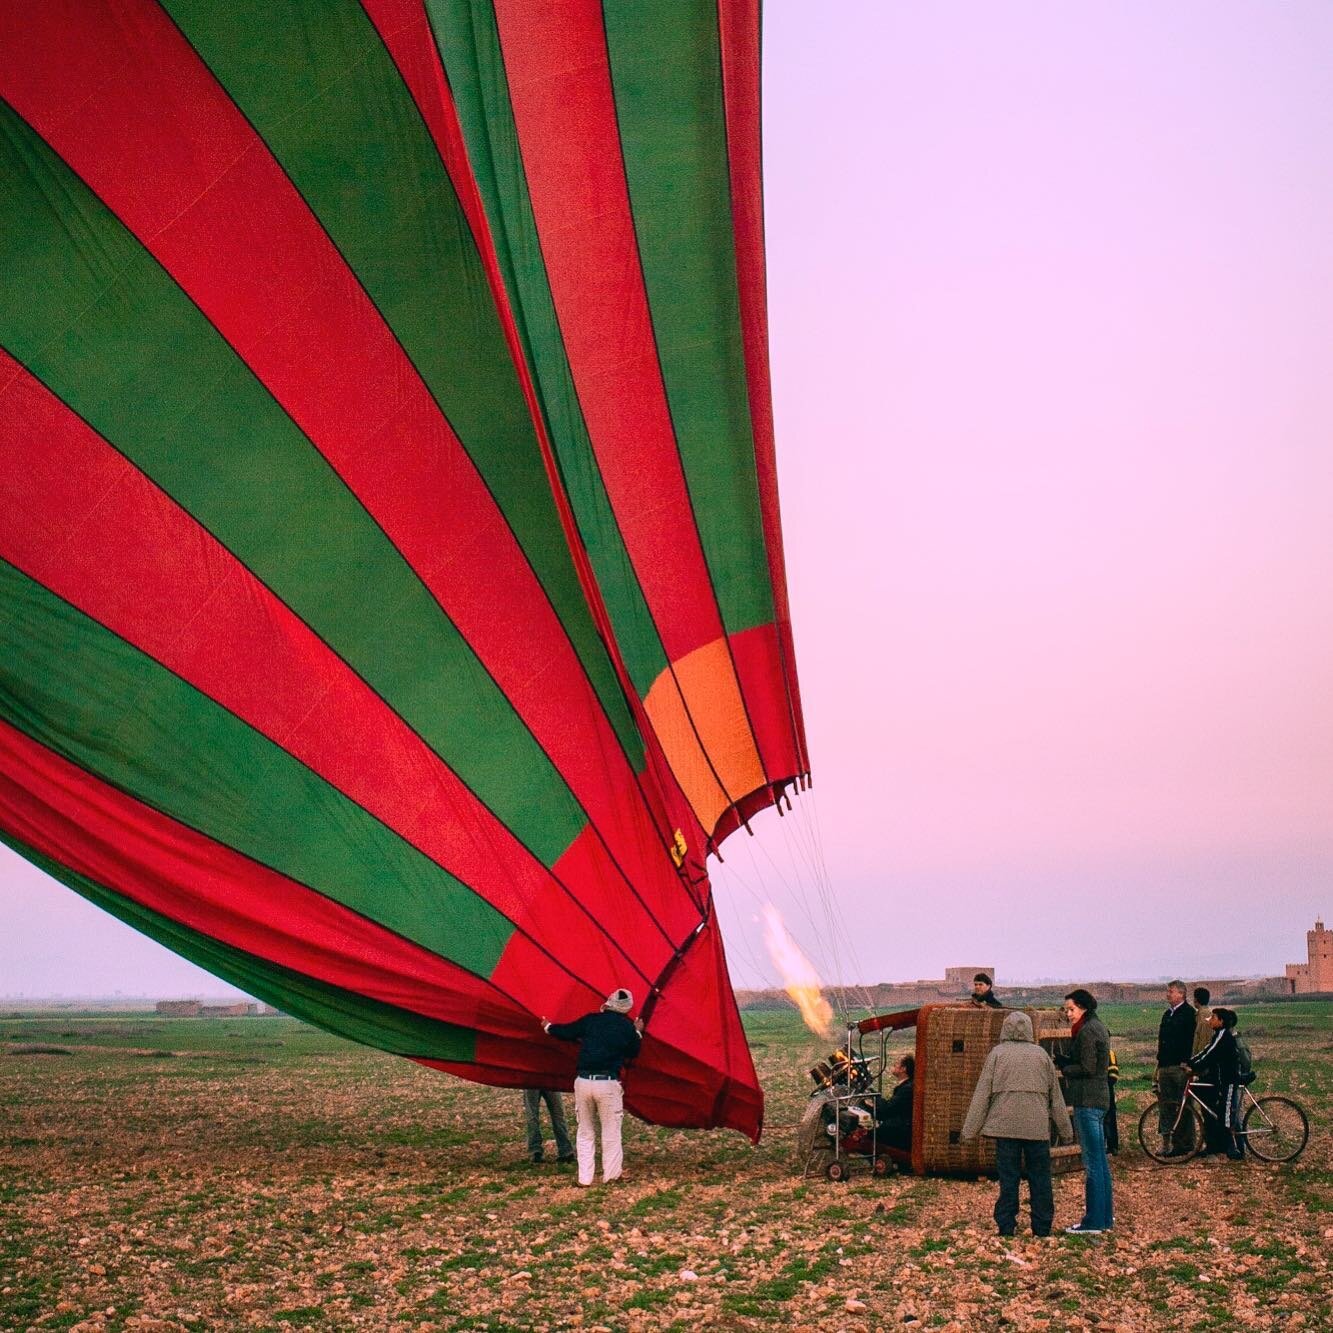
x: 331, y: 1186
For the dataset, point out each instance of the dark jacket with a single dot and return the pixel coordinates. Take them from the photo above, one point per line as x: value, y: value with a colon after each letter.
x: 987, y: 1000
x: 1086, y: 1064
x: 1219, y: 1062
x: 894, y: 1113
x: 1175, y: 1036
x: 606, y: 1041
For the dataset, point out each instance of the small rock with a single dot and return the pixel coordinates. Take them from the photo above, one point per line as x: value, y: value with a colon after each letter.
x: 852, y: 1304
x: 688, y: 1275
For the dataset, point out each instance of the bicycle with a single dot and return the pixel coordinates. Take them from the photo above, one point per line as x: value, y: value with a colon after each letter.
x: 1275, y: 1129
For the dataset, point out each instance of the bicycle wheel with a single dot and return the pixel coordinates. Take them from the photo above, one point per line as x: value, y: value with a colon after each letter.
x: 1276, y: 1129
x: 1189, y: 1130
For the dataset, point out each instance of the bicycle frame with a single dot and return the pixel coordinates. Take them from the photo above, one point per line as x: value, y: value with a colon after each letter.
x: 1190, y: 1094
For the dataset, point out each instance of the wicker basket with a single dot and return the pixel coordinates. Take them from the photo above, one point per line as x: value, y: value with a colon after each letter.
x: 952, y: 1043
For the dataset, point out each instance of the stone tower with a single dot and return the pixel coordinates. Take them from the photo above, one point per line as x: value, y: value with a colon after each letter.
x: 1316, y: 974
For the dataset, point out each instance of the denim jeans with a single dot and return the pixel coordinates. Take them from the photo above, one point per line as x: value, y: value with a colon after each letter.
x: 1012, y: 1156
x: 1097, y: 1207
x: 532, y: 1106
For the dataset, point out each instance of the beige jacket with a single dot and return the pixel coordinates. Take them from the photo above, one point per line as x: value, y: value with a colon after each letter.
x: 1018, y: 1093
x: 1203, y: 1034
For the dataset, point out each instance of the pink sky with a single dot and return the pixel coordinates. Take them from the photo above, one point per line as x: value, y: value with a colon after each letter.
x: 1051, y: 294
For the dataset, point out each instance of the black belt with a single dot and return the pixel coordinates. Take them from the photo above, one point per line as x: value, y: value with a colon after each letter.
x: 614, y: 1078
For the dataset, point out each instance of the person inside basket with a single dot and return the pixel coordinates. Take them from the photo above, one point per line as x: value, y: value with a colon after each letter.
x: 895, y: 1111
x: 608, y: 1040
x: 1016, y: 1103
x: 983, y: 993
x: 1219, y: 1065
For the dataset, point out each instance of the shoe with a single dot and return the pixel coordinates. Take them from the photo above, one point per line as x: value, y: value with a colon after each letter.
x: 1081, y: 1230
x: 1006, y: 1233
x: 1177, y: 1152
x: 536, y: 1161
x: 566, y: 1161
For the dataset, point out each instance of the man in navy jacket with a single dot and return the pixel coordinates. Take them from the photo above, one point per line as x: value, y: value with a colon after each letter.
x: 607, y: 1040
x: 1175, y: 1045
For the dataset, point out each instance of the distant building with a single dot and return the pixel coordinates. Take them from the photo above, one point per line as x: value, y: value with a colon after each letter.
x: 954, y: 986
x: 197, y: 1009
x: 1316, y: 975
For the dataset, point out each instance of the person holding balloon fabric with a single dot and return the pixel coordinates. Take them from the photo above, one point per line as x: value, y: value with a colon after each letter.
x: 608, y: 1040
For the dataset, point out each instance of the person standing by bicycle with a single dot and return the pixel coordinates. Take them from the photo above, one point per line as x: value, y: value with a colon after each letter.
x: 1085, y: 1073
x: 1219, y: 1064
x: 1175, y: 1045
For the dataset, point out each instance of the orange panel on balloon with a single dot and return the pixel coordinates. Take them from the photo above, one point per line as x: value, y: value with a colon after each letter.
x: 703, y: 704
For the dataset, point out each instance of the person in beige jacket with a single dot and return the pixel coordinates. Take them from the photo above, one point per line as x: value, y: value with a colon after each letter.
x: 1203, y: 1028
x: 1016, y: 1102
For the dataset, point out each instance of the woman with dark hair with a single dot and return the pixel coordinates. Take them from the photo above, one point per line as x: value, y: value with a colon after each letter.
x: 1085, y: 1074
x: 1219, y: 1064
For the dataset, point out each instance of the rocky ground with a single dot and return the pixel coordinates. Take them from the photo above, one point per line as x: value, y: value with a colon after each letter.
x: 189, y: 1174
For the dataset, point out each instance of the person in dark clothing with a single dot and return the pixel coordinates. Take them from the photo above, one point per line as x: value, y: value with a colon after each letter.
x: 1219, y: 1065
x: 532, y: 1114
x: 1088, y: 1089
x: 607, y: 1040
x: 895, y: 1110
x: 1111, y: 1125
x: 1175, y: 1045
x: 983, y: 995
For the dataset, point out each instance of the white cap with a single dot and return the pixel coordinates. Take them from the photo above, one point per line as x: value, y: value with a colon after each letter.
x: 619, y: 1001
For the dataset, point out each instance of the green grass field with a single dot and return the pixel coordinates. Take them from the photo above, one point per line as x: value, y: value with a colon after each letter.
x: 256, y: 1173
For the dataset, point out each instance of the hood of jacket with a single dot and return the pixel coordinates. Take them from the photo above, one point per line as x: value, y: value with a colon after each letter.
x: 1016, y: 1027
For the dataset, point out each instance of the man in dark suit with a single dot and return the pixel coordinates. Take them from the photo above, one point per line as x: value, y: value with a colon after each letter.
x: 1175, y: 1045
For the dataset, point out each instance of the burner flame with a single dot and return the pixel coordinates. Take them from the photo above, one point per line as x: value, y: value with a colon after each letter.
x: 798, y: 974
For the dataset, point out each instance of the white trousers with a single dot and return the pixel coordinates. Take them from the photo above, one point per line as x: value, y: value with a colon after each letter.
x: 599, y: 1099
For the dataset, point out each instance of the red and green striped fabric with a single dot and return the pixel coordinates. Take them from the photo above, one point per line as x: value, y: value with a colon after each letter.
x: 392, y: 609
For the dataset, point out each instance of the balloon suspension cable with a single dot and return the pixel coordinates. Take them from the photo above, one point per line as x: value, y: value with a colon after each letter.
x: 672, y: 963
